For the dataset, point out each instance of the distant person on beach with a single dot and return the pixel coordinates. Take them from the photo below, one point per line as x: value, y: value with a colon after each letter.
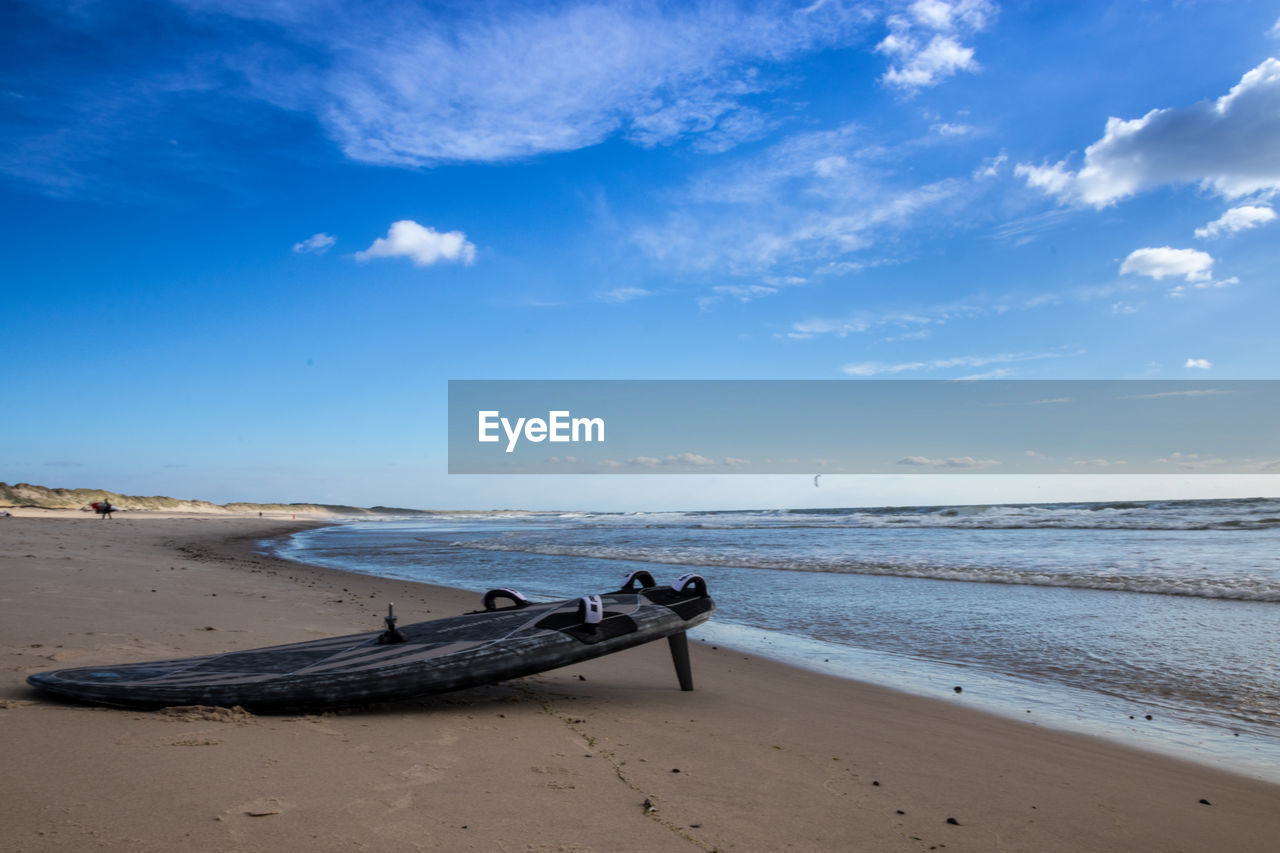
x: 106, y: 509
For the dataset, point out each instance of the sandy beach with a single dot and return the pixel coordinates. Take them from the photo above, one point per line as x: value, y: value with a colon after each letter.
x: 759, y: 757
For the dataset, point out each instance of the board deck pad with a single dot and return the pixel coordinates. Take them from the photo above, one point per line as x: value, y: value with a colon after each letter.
x: 425, y: 657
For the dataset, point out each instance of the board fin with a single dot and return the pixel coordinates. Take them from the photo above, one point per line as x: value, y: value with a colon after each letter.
x: 679, y: 644
x: 392, y: 633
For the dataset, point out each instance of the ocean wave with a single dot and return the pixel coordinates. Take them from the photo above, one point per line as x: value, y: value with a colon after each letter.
x: 1233, y: 514
x: 1232, y: 588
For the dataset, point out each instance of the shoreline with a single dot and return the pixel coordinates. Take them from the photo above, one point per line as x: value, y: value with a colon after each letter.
x: 771, y: 756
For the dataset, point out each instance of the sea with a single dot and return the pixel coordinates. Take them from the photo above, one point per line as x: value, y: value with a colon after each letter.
x: 1152, y: 623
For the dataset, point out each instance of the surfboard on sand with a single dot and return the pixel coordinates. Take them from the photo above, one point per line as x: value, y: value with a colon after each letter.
x: 508, y: 638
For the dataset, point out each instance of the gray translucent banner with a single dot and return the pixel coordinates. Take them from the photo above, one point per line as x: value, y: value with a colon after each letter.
x: 864, y: 427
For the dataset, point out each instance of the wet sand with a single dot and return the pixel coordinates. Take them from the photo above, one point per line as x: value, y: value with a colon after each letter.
x: 759, y: 757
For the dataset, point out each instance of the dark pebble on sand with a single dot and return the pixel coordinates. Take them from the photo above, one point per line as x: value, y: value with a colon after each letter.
x: 959, y: 689
x: 675, y: 769
x: 1148, y: 716
x: 1205, y: 803
x: 900, y: 811
x: 582, y: 678
x: 953, y: 821
x: 876, y: 784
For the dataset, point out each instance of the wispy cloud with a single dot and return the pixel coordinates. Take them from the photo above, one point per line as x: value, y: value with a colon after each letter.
x: 414, y: 84
x: 1207, y: 284
x: 877, y: 368
x: 1027, y: 228
x: 316, y: 244
x: 1192, y: 392
x: 685, y: 460
x: 622, y: 294
x: 1191, y: 461
x: 423, y: 245
x: 1198, y: 363
x: 1230, y: 145
x: 952, y: 462
x: 864, y: 321
x: 749, y: 292
x: 803, y: 205
x: 425, y: 88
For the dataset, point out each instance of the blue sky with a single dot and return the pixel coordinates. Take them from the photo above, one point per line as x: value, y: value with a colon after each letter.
x: 248, y: 243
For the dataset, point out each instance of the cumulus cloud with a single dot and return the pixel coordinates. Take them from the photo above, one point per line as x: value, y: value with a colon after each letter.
x: 1230, y: 145
x: 1191, y: 264
x: 423, y: 245
x: 1199, y: 363
x: 316, y: 244
x: 924, y: 44
x: 1235, y: 220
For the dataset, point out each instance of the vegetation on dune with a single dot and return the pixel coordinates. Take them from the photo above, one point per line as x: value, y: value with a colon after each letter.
x: 45, y: 497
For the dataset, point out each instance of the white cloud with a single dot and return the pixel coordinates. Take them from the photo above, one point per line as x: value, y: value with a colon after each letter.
x: 750, y: 292
x: 682, y: 460
x: 876, y: 368
x: 316, y: 244
x: 924, y: 44
x: 811, y: 199
x: 1199, y: 363
x: 425, y: 87
x: 1235, y: 220
x: 1195, y: 392
x: 623, y: 294
x: 746, y: 292
x: 991, y: 166
x: 1230, y: 145
x: 916, y: 322
x: 1191, y: 264
x: 423, y: 245
x: 952, y: 462
x: 1181, y: 289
